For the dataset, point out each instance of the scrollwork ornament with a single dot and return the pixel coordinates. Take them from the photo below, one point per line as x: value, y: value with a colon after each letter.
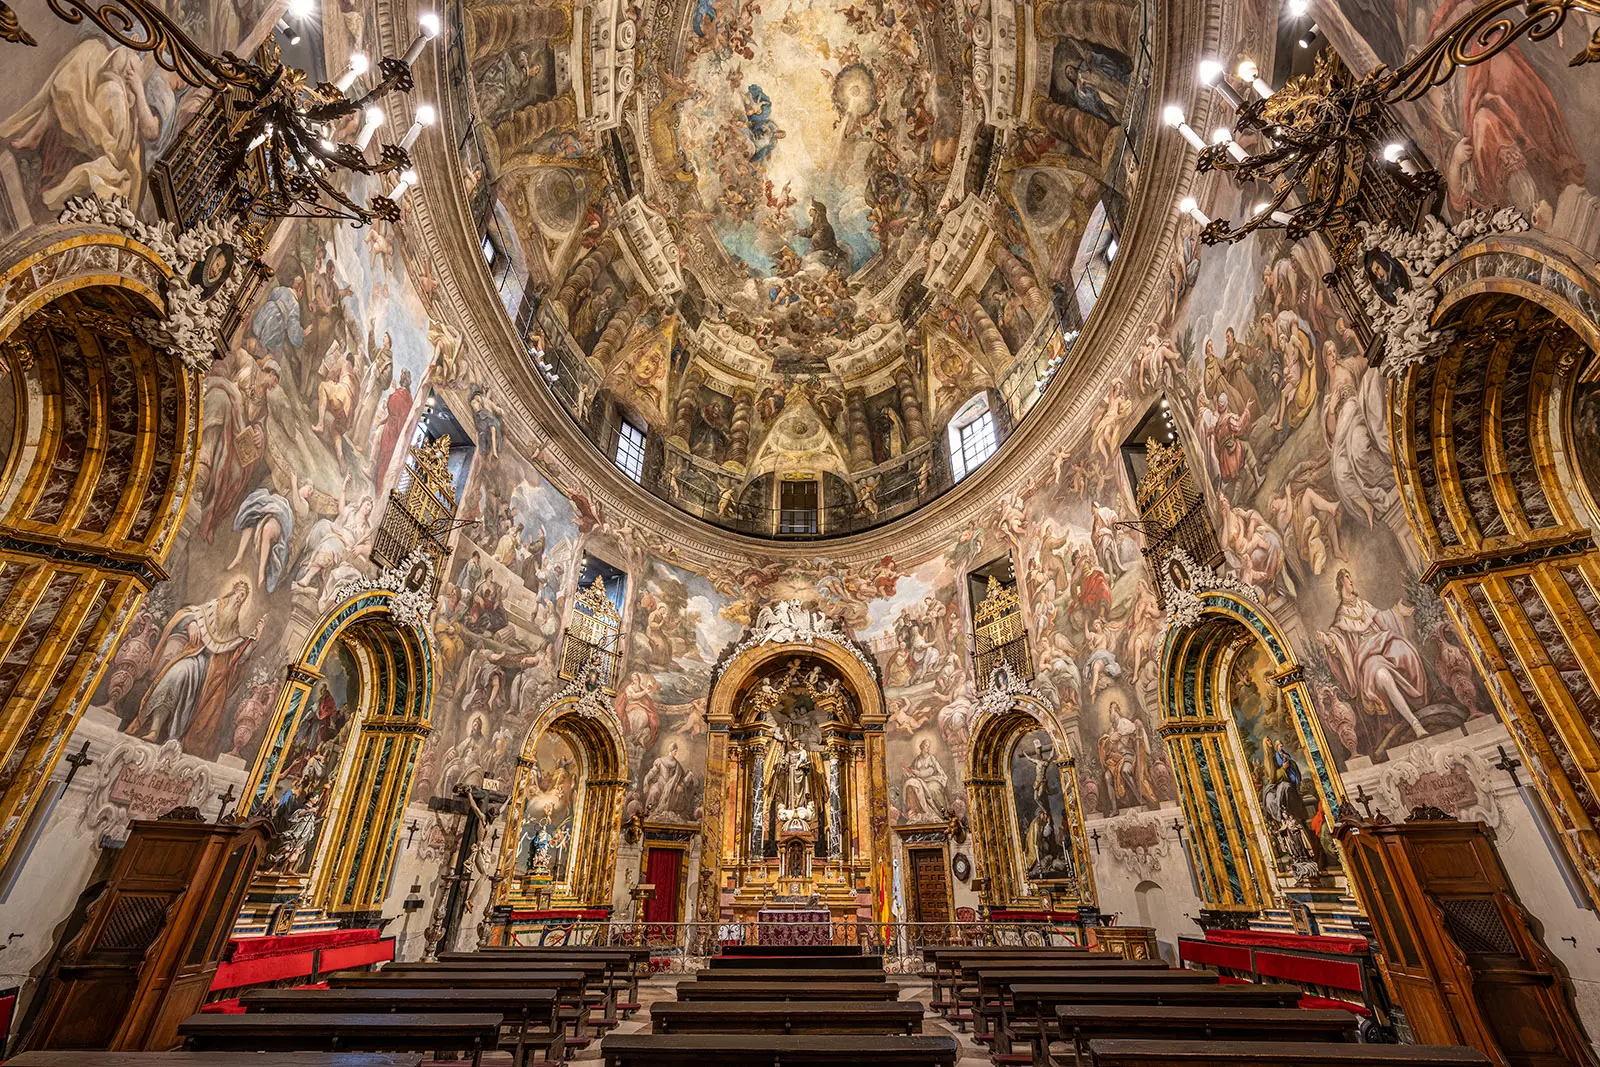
x: 1402, y: 314
x: 1004, y: 688
x: 1184, y: 606
x: 193, y: 322
x: 410, y: 607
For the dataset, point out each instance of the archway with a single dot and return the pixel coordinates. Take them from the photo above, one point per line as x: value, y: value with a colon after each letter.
x: 1022, y: 785
x: 565, y: 815
x: 1258, y: 789
x: 98, y: 432
x: 334, y: 774
x: 1494, y: 455
x: 824, y: 693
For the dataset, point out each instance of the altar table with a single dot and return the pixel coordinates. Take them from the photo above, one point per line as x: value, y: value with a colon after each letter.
x: 794, y: 926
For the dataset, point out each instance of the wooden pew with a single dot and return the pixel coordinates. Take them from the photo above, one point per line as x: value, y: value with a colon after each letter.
x: 690, y: 989
x: 1121, y: 1053
x: 1037, y: 1001
x: 778, y: 974
x: 787, y: 1017
x: 597, y: 990
x: 534, y: 1014
x: 963, y: 981
x: 314, y: 1032
x: 629, y: 963
x: 809, y: 964
x: 767, y: 1050
x: 1078, y: 1024
x: 791, y: 950
x: 993, y: 985
x: 945, y: 961
x: 571, y: 985
x: 94, y: 1058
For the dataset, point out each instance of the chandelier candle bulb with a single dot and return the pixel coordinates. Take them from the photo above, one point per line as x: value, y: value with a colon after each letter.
x: 1174, y: 117
x: 369, y: 126
x: 1210, y: 74
x: 1249, y: 72
x: 407, y: 180
x: 428, y: 23
x: 357, y: 66
x: 1191, y: 207
x: 423, y: 120
x: 1224, y: 136
x: 1396, y: 154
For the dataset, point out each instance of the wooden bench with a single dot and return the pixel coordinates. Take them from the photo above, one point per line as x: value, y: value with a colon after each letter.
x: 993, y: 1001
x: 94, y: 1058
x: 626, y: 964
x: 787, y: 1017
x: 316, y: 1032
x: 1080, y: 1023
x: 789, y: 990
x: 963, y: 980
x: 533, y: 1015
x: 791, y: 950
x: 945, y: 962
x: 773, y: 1050
x: 1037, y: 1001
x: 570, y: 985
x: 779, y: 974
x: 809, y: 964
x: 1118, y: 1053
x: 598, y: 990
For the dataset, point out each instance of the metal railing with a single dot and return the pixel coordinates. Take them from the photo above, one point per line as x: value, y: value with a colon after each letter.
x: 685, y: 947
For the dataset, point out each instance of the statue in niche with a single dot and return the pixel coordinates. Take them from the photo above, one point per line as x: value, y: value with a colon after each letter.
x: 792, y: 778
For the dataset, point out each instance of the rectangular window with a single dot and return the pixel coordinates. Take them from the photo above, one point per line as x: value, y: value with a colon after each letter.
x: 797, y: 507
x: 975, y: 443
x: 630, y: 450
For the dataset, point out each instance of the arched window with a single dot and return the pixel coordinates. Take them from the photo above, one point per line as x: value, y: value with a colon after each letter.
x: 973, y: 437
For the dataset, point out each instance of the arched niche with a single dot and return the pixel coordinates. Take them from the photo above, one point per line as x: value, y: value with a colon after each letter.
x: 334, y: 775
x: 569, y: 860
x: 1495, y: 456
x: 853, y: 874
x: 1022, y: 786
x: 98, y: 443
x: 1253, y: 771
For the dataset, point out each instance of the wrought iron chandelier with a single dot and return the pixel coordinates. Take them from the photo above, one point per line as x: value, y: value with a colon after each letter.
x: 1326, y: 141
x: 278, y: 159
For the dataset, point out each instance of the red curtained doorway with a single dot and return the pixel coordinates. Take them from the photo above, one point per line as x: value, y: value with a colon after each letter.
x: 663, y: 867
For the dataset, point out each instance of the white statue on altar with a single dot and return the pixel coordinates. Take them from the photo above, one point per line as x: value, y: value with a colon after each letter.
x: 791, y: 784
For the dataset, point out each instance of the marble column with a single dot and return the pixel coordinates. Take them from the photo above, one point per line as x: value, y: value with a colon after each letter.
x: 519, y: 130
x: 855, y: 411
x: 758, y: 801
x: 744, y: 402
x: 496, y: 27
x: 584, y: 272
x: 911, y: 408
x: 1089, y: 135
x: 1104, y: 22
x: 617, y: 329
x: 835, y: 802
x: 683, y: 412
x: 1021, y: 280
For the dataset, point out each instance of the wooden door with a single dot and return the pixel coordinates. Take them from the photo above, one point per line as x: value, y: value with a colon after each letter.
x: 930, y: 888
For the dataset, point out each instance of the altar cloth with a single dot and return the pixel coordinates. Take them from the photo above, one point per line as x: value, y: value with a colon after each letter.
x: 794, y: 926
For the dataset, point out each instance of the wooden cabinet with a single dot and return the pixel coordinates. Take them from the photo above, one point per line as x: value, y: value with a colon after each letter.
x: 1460, y: 955
x: 146, y: 948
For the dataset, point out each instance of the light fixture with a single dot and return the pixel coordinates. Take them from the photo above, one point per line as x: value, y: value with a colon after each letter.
x: 428, y: 27
x: 1299, y: 8
x: 1224, y: 136
x: 424, y: 118
x: 370, y: 121
x: 1210, y: 73
x: 1191, y: 207
x: 1396, y: 153
x: 1310, y: 37
x: 1174, y: 117
x: 407, y: 180
x: 1249, y: 72
x: 355, y: 66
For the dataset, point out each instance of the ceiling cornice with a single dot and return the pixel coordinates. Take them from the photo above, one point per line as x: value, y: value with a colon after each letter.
x: 440, y: 227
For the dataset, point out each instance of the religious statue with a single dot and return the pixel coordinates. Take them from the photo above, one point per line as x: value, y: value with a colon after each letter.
x: 790, y: 785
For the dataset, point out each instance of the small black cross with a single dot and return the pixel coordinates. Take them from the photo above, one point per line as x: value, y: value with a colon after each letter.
x: 1094, y: 835
x: 225, y: 797
x: 1177, y: 824
x: 411, y: 831
x: 1364, y: 800
x: 79, y: 760
x: 1509, y: 764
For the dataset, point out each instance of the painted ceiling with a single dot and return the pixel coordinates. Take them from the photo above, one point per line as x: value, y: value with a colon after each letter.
x: 741, y: 219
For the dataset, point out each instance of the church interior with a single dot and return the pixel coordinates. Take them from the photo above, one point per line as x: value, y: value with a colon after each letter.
x: 999, y: 533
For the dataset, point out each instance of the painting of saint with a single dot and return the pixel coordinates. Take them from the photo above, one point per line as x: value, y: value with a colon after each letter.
x: 1040, y: 806
x: 302, y: 797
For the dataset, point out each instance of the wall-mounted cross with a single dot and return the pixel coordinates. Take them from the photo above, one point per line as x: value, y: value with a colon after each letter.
x: 1509, y: 764
x: 225, y: 797
x: 79, y: 760
x: 1094, y: 836
x: 1177, y: 824
x: 1364, y: 800
x: 411, y: 831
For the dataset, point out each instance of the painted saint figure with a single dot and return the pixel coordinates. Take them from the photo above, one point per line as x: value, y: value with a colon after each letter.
x: 198, y: 659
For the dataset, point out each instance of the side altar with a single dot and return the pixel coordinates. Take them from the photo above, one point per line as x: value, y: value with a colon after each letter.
x: 804, y: 757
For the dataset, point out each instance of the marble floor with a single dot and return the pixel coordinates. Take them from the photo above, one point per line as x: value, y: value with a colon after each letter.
x: 661, y: 988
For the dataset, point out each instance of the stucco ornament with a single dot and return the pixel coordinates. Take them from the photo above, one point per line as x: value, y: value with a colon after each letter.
x: 1136, y: 843
x: 195, y: 307
x: 788, y: 621
x: 588, y: 689
x: 1453, y: 777
x: 1400, y: 304
x: 143, y: 781
x: 410, y: 603
x: 1004, y: 688
x: 1184, y: 606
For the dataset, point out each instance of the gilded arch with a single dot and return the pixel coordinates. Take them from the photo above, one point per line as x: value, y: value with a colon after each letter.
x: 359, y: 833
x: 1502, y: 517
x: 597, y: 814
x: 723, y: 823
x: 995, y: 823
x: 1228, y: 851
x: 94, y: 479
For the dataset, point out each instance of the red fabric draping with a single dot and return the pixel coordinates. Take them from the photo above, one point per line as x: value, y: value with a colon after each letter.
x: 661, y: 870
x: 1305, y: 942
